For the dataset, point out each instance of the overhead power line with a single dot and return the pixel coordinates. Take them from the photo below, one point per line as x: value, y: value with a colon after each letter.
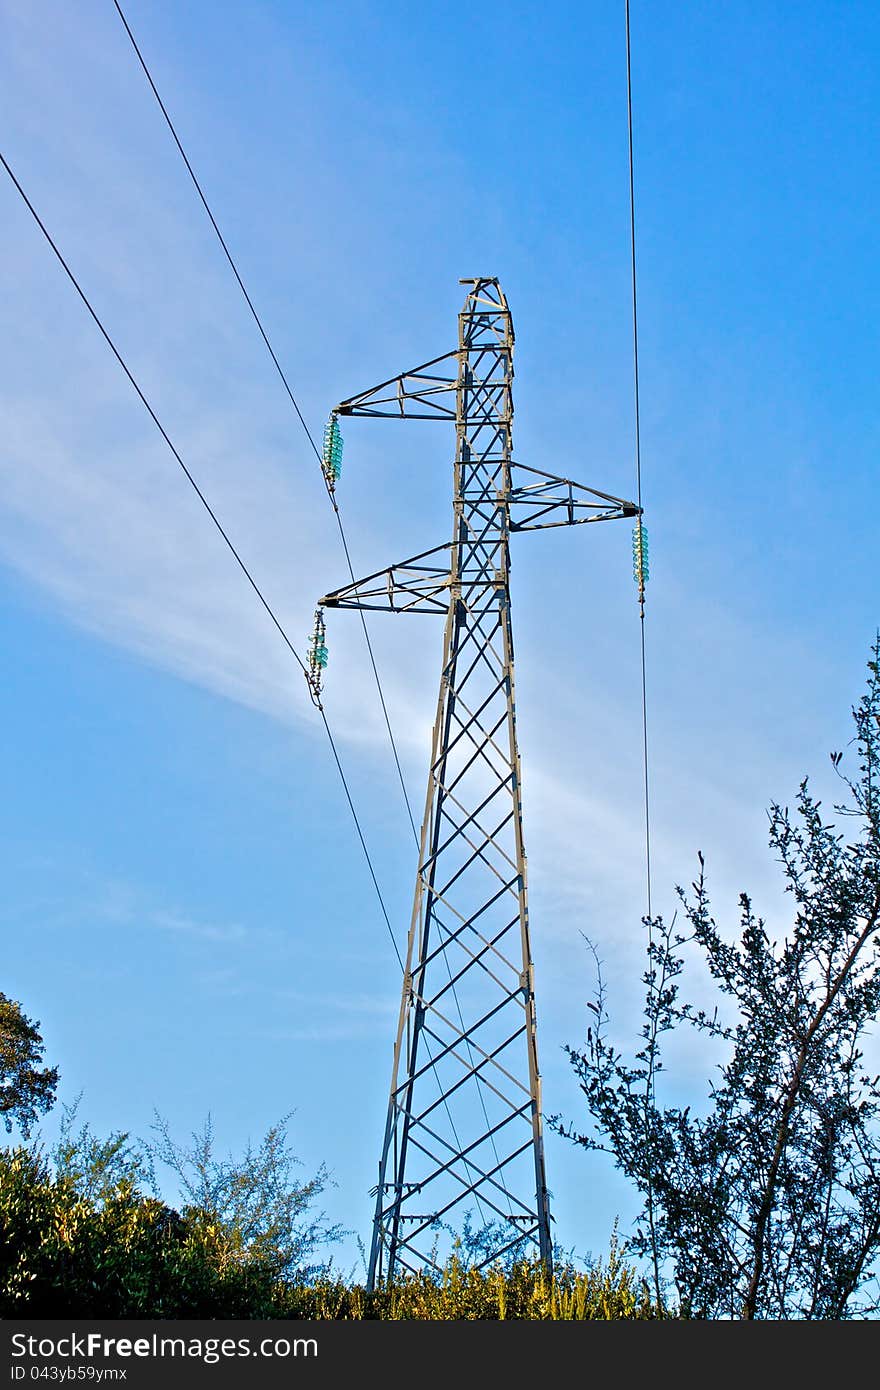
x: 635, y: 335
x: 214, y: 518
x: 287, y: 387
x: 220, y: 237
x: 154, y: 417
x: 330, y: 494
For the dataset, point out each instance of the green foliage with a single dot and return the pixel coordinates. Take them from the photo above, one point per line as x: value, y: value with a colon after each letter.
x: 768, y: 1205
x: 521, y: 1292
x: 97, y: 1168
x: 258, y: 1197
x: 87, y: 1242
x: 26, y: 1088
x: 83, y: 1235
x: 118, y: 1253
x: 61, y: 1252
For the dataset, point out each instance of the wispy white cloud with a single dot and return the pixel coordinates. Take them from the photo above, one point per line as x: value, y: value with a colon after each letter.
x: 94, y: 900
x: 201, y: 931
x: 353, y: 1003
x: 344, y: 1029
x: 120, y: 547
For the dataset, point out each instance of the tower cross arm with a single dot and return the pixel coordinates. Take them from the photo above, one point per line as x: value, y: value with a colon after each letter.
x: 418, y: 585
x: 539, y: 500
x: 422, y: 393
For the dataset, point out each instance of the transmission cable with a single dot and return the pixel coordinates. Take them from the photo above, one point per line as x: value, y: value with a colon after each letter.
x: 649, y: 920
x: 217, y: 523
x: 286, y: 384
x: 331, y: 497
x: 638, y: 432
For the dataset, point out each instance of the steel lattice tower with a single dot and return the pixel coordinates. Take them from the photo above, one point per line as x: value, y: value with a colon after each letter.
x: 464, y: 1125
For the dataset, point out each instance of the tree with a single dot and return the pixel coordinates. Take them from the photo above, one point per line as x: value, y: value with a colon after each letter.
x: 263, y: 1210
x: 26, y: 1088
x: 767, y: 1205
x: 84, y: 1232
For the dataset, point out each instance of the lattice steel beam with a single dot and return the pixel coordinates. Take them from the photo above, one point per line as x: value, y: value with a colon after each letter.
x: 464, y: 1122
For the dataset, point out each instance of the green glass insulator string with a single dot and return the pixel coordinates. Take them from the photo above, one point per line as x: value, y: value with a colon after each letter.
x: 331, y: 460
x: 641, y: 568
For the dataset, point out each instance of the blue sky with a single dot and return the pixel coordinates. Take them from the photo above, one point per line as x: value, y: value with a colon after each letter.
x: 184, y: 905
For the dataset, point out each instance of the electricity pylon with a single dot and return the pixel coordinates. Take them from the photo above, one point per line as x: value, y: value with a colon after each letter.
x: 464, y: 1125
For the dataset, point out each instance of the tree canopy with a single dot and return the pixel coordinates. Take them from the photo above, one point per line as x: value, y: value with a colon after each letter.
x: 767, y: 1203
x: 27, y: 1089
